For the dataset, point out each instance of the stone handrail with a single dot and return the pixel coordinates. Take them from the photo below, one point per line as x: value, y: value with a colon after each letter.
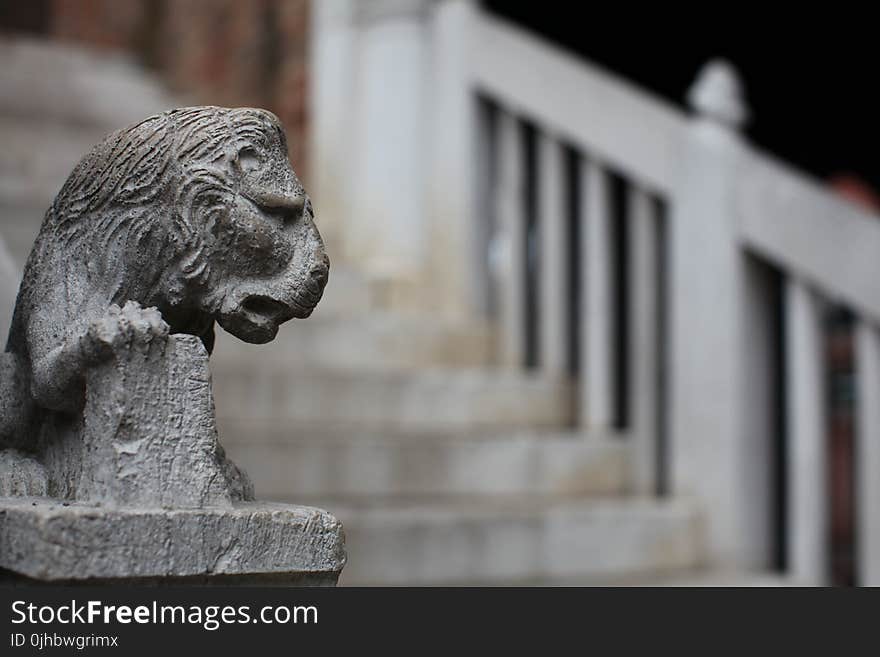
x: 712, y: 237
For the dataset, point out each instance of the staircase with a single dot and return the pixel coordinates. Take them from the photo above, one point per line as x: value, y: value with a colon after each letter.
x: 444, y: 469
x: 56, y: 102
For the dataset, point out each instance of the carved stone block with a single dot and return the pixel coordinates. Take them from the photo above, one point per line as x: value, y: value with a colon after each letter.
x: 147, y: 436
x: 110, y: 464
x: 46, y: 540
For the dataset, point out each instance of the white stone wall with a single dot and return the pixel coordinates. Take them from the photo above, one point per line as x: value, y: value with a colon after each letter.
x: 9, y: 279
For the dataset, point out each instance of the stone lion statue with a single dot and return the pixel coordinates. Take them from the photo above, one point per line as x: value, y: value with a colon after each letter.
x: 191, y: 217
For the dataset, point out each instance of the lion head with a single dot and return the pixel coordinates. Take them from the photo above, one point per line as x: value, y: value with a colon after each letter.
x: 196, y: 211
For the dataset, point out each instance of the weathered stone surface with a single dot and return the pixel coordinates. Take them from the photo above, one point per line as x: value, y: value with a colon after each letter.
x: 21, y: 475
x: 195, y: 213
x: 147, y: 436
x: 191, y: 217
x: 47, y: 540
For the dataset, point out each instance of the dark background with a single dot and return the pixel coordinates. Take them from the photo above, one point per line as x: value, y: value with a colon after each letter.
x: 810, y: 78
x: 810, y: 75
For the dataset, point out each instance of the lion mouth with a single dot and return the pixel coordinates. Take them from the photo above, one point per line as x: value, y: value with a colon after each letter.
x: 267, y: 308
x: 257, y: 317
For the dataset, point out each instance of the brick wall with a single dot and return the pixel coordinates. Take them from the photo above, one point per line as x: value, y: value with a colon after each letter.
x: 221, y: 52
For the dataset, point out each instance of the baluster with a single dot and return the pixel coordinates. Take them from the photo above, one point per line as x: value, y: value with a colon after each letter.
x: 807, y: 529
x: 597, y: 324
x: 485, y: 232
x: 868, y: 453
x: 553, y: 264
x: 510, y: 248
x: 644, y: 237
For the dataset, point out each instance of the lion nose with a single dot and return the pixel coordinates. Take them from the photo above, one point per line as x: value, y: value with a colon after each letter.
x: 283, y: 201
x: 288, y: 209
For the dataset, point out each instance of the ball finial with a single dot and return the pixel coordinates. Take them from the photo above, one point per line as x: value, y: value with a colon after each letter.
x: 717, y: 93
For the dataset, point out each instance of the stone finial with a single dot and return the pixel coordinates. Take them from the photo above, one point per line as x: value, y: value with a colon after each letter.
x: 717, y: 93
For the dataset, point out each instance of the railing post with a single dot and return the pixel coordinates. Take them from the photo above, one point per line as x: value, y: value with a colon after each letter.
x: 868, y: 453
x: 807, y: 464
x: 597, y: 303
x: 332, y: 53
x: 509, y: 209
x: 552, y: 224
x: 721, y: 396
x: 393, y: 154
x: 387, y: 214
x: 644, y: 363
x: 457, y: 235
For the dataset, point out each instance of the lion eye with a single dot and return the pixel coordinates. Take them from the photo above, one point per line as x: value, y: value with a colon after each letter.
x: 248, y: 160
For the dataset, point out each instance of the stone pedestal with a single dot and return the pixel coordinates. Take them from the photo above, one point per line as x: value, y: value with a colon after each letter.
x: 250, y: 543
x: 110, y: 464
x: 141, y: 490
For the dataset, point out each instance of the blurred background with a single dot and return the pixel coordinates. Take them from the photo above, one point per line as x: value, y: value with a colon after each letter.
x: 582, y: 327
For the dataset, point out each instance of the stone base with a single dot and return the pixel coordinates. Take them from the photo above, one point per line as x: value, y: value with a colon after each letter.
x: 250, y: 543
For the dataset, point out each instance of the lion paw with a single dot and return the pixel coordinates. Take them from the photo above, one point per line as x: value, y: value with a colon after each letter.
x: 121, y: 329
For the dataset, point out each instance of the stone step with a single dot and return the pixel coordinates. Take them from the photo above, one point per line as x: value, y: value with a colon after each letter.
x: 56, y: 102
x: 58, y: 82
x: 9, y: 279
x: 710, y: 577
x: 38, y: 155
x: 700, y: 577
x: 574, y: 541
x: 288, y: 464
x: 427, y: 400
x: 346, y: 296
x: 19, y: 225
x: 374, y: 340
